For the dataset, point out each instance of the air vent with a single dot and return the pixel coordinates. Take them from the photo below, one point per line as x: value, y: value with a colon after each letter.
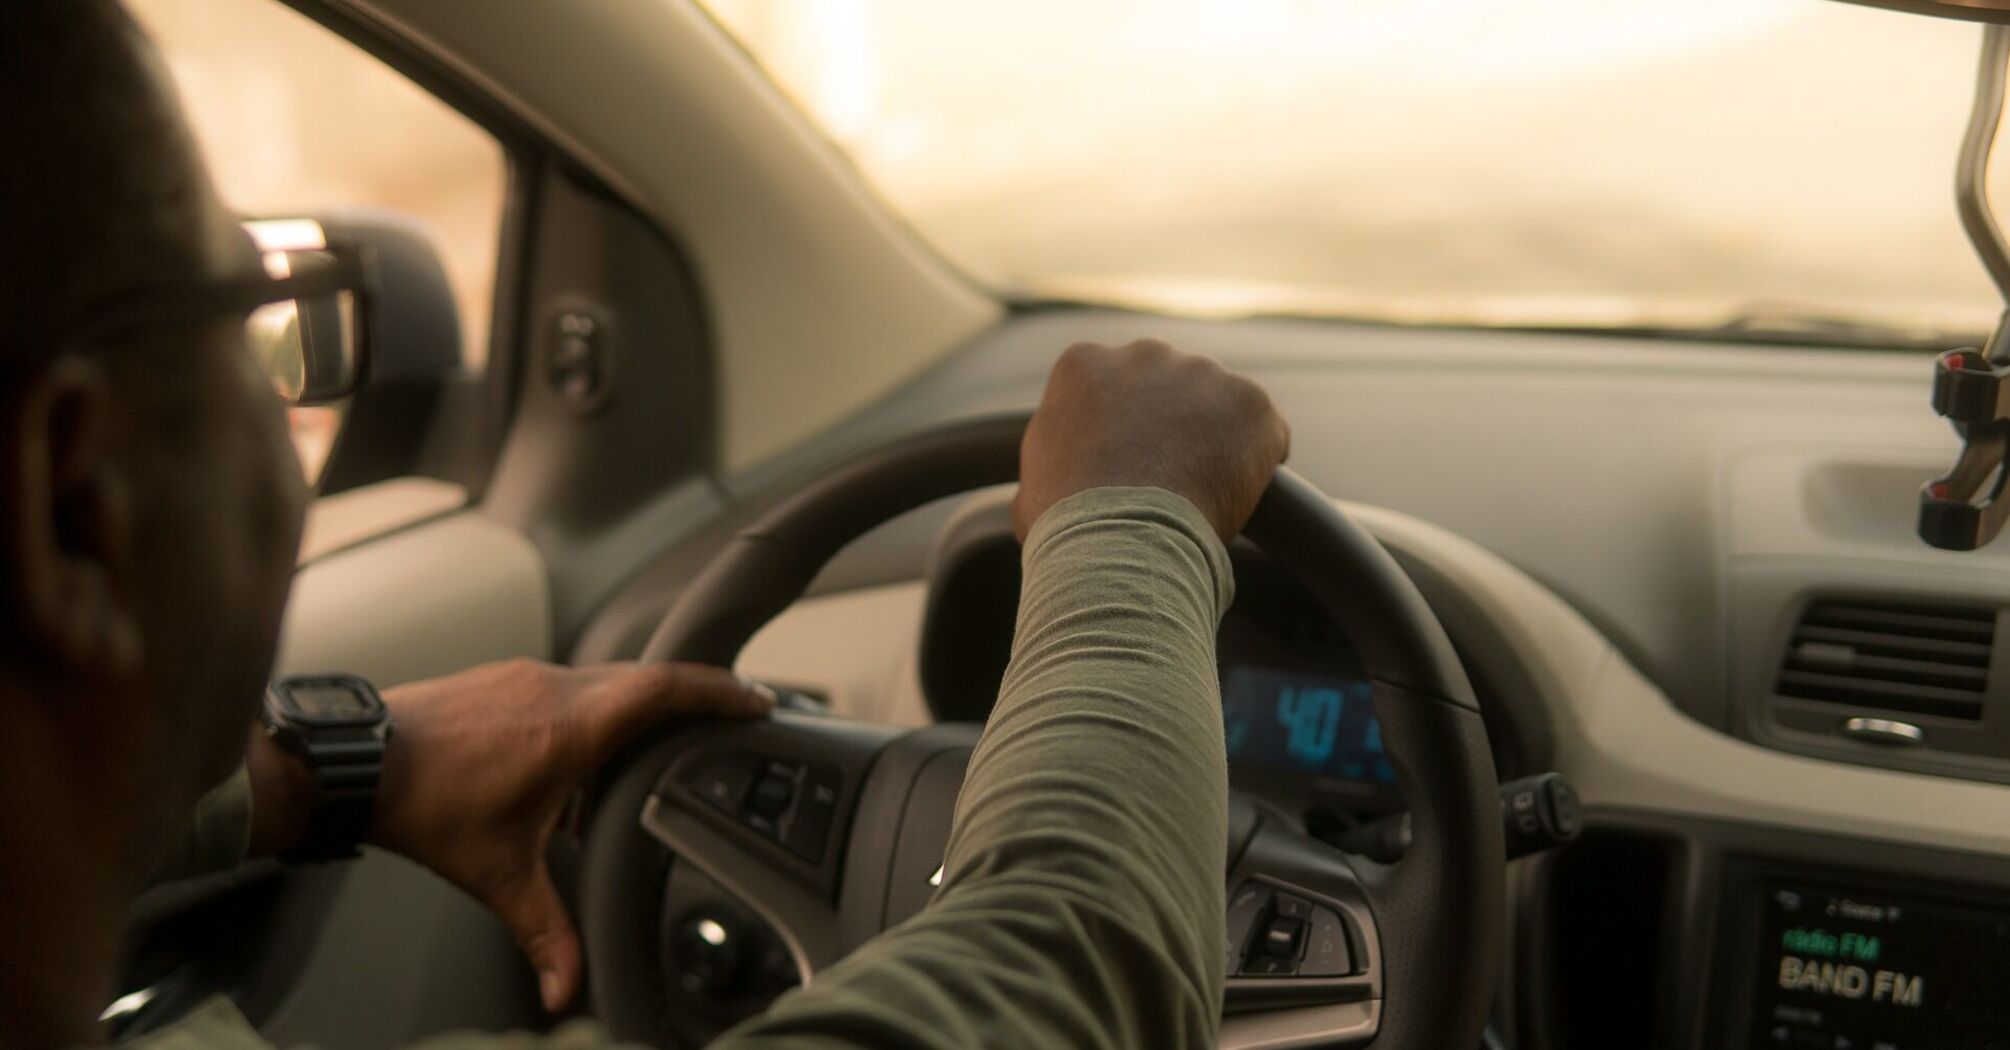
x: 1918, y: 658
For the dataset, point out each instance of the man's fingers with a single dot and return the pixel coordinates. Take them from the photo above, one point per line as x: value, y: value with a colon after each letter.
x: 639, y: 696
x: 538, y: 920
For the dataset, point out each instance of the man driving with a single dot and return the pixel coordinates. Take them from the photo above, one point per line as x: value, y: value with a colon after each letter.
x: 151, y: 523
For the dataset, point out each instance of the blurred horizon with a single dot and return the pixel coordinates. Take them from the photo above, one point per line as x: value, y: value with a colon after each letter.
x: 1469, y: 160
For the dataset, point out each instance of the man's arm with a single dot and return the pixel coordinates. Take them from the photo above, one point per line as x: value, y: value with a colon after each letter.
x: 1082, y: 905
x: 1082, y: 902
x: 1083, y: 896
x: 479, y: 769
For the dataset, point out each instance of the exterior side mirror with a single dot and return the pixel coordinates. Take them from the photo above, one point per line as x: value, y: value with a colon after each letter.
x: 313, y: 347
x: 389, y: 351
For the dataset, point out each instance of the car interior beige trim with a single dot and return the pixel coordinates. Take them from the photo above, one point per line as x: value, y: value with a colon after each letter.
x: 1625, y: 746
x: 433, y: 599
x: 815, y: 644
x: 345, y: 519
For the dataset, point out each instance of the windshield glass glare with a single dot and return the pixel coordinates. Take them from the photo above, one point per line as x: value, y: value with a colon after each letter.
x: 1741, y: 165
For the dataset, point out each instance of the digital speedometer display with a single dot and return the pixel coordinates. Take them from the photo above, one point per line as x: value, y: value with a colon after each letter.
x: 1292, y: 721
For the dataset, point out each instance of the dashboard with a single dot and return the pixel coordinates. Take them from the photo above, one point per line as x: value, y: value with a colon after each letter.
x: 1788, y: 940
x: 1619, y: 538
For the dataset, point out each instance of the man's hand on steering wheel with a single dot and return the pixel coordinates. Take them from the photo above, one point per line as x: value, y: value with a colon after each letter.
x: 485, y: 762
x: 482, y: 767
x: 1146, y: 414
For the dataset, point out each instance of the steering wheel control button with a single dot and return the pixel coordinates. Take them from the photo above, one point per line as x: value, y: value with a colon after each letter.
x: 1266, y: 966
x: 792, y: 804
x: 1289, y: 907
x: 1280, y: 939
x: 1245, y: 906
x: 707, y: 950
x: 768, y: 804
x: 809, y: 830
x: 724, y: 783
x: 1276, y: 934
x: 1283, y: 938
x: 773, y: 794
x: 1327, y: 952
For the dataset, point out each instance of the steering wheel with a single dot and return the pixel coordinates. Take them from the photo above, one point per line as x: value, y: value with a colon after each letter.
x: 831, y: 829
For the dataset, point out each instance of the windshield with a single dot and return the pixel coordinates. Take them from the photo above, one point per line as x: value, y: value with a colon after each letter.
x: 1737, y: 165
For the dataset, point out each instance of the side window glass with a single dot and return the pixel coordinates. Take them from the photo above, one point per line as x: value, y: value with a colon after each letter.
x: 295, y: 119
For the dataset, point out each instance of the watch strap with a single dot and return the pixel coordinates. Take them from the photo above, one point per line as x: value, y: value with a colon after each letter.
x: 344, y: 756
x: 347, y: 767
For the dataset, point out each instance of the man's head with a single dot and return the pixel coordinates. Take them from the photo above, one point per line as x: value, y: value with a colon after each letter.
x: 149, y: 501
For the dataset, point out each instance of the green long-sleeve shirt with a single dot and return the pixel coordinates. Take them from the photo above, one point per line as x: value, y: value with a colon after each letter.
x: 1083, y: 897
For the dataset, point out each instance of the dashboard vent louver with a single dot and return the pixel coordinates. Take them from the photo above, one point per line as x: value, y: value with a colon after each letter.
x: 1920, y: 658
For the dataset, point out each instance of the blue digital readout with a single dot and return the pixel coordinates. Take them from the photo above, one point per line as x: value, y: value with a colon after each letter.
x: 1289, y: 720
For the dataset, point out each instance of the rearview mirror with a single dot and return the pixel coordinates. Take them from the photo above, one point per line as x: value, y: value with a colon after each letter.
x: 1997, y: 11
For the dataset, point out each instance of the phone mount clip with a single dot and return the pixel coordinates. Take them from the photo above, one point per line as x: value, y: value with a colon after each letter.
x: 1965, y: 509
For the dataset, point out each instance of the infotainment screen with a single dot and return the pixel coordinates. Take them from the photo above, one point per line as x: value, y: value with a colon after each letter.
x: 1877, y: 971
x: 1293, y: 721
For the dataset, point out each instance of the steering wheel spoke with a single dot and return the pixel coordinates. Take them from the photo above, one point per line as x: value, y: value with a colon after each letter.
x: 764, y: 809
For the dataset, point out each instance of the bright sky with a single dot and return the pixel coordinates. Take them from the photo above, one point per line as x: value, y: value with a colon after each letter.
x: 1461, y: 159
x: 1563, y: 161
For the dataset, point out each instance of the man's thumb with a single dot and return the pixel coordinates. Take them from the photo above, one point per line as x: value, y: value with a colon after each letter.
x: 537, y: 919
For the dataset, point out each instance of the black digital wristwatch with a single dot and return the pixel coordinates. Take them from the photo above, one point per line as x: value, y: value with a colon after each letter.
x: 339, y: 726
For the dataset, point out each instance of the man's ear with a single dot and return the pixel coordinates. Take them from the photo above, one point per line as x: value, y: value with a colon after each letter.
x: 67, y: 527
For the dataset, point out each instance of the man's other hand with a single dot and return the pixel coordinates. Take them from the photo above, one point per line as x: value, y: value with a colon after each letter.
x: 483, y: 764
x: 1146, y: 414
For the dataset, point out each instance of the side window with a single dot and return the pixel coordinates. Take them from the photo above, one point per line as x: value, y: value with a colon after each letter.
x: 295, y: 119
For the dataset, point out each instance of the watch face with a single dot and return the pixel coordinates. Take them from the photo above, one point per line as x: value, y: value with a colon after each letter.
x: 330, y: 702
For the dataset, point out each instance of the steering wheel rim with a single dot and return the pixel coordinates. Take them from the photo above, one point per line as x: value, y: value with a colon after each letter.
x: 1439, y: 912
